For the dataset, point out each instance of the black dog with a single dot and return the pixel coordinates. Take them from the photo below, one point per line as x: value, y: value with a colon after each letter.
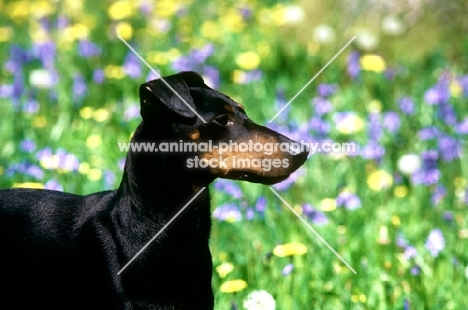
x: 64, y: 251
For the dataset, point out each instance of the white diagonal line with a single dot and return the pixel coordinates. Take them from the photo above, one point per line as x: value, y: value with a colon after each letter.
x: 159, y: 76
x: 159, y: 232
x: 313, y: 230
x: 305, y: 86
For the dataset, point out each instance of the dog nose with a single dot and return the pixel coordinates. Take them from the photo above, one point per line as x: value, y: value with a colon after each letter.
x: 297, y: 148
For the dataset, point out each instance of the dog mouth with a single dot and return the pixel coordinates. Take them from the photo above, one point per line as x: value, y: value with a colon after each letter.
x: 256, y: 178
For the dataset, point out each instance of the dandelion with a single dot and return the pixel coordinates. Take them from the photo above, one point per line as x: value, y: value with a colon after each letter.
x: 120, y: 10
x: 233, y: 286
x: 260, y: 300
x: 290, y: 249
x: 248, y: 60
x: 435, y: 242
x: 379, y: 180
x: 34, y: 185
x: 372, y: 63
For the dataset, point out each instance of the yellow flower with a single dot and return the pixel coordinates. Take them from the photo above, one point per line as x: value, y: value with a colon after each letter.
x: 115, y: 72
x: 41, y: 8
x: 94, y: 141
x: 348, y: 123
x: 239, y: 77
x: 401, y: 191
x: 248, y: 60
x: 455, y: 89
x: 120, y: 10
x: 124, y: 30
x: 83, y: 168
x: 383, y: 235
x: 224, y: 269
x: 6, y: 33
x: 101, y: 115
x: 233, y: 21
x: 290, y: 249
x: 94, y: 174
x: 372, y: 63
x: 166, y: 8
x: 328, y: 204
x: 29, y: 185
x: 17, y: 10
x: 39, y: 121
x: 233, y: 286
x: 86, y: 112
x: 210, y: 30
x: 50, y: 162
x: 379, y: 180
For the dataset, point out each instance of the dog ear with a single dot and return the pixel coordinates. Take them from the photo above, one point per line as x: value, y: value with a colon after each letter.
x: 159, y: 102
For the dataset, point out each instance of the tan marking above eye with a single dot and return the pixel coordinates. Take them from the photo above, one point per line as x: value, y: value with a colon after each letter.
x: 240, y: 106
x: 229, y: 108
x: 195, y: 135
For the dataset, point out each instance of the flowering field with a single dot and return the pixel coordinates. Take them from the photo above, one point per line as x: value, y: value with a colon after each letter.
x: 394, y: 208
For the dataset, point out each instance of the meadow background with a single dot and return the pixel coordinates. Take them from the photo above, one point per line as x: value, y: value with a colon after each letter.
x: 395, y: 209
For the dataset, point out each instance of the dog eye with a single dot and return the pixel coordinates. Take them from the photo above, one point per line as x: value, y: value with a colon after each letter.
x: 223, y: 120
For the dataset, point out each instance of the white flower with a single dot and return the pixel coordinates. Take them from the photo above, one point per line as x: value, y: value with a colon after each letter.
x: 366, y: 40
x: 42, y: 78
x: 324, y: 34
x: 391, y: 25
x: 409, y: 164
x: 293, y: 14
x: 259, y: 300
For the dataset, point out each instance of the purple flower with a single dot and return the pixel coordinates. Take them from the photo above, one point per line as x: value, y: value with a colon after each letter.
x: 53, y: 185
x: 46, y: 53
x: 429, y: 172
x: 429, y: 133
x: 447, y: 114
x: 121, y: 163
x: 373, y: 150
x: 109, y: 178
x: 449, y: 148
x: 98, y: 76
x: 194, y: 60
x: 211, y: 75
x: 348, y: 200
x: 31, y: 106
x: 326, y: 90
x: 6, y: 90
x: 437, y: 94
x: 391, y: 121
x: 132, y: 65
x: 374, y: 130
x: 406, y: 105
x: 28, y: 145
x: 228, y: 212
x: 354, y: 68
x: 132, y: 112
x: 229, y: 187
x: 25, y: 168
x: 463, y: 80
x: 415, y: 270
x: 438, y: 195
x: 284, y: 185
x: 88, y: 49
x: 249, y: 214
x: 447, y: 216
x: 321, y: 106
x: 410, y: 252
x: 245, y: 11
x: 435, y: 242
x: 460, y: 128
x: 319, y: 126
x: 315, y: 216
x: 261, y: 204
x: 287, y: 269
x: 79, y: 87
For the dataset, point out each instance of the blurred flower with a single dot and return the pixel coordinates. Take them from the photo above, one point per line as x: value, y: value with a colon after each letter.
x: 224, y: 269
x: 348, y: 122
x: 383, y: 237
x: 249, y: 214
x: 132, y: 112
x: 409, y: 164
x: 353, y: 68
x: 315, y: 216
x: 248, y: 60
x: 326, y: 90
x: 79, y: 87
x: 29, y: 185
x: 284, y: 185
x: 372, y: 62
x: 415, y: 270
x: 98, y: 76
x: 25, y: 168
x: 124, y: 30
x: 449, y: 147
x: 435, y: 242
x: 287, y: 269
x: 366, y: 40
x: 87, y: 49
x: 120, y: 10
x: 372, y: 150
x: 391, y: 121
x: 46, y: 53
x: 324, y: 34
x: 233, y: 286
x: 462, y: 127
x: 259, y: 300
x: 293, y: 14
x: 290, y: 249
x: 211, y: 76
x: 348, y: 200
x: 53, y: 185
x: 229, y: 187
x: 109, y: 178
x: 392, y: 25
x: 437, y: 94
x: 410, y: 252
x: 228, y: 212
x: 28, y: 145
x: 195, y: 60
x: 379, y: 180
x: 6, y: 90
x: 429, y: 173
x: 446, y: 113
x: 321, y: 106
x: 428, y: 133
x: 401, y: 191
x: 328, y: 204
x: 132, y: 65
x: 319, y: 126
x: 94, y: 141
x: 438, y: 195
x: 31, y: 106
x: 406, y: 105
x: 245, y: 77
x: 42, y: 78
x: 261, y: 204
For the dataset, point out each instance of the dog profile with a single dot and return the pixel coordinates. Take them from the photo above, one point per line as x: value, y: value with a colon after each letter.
x: 64, y: 251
